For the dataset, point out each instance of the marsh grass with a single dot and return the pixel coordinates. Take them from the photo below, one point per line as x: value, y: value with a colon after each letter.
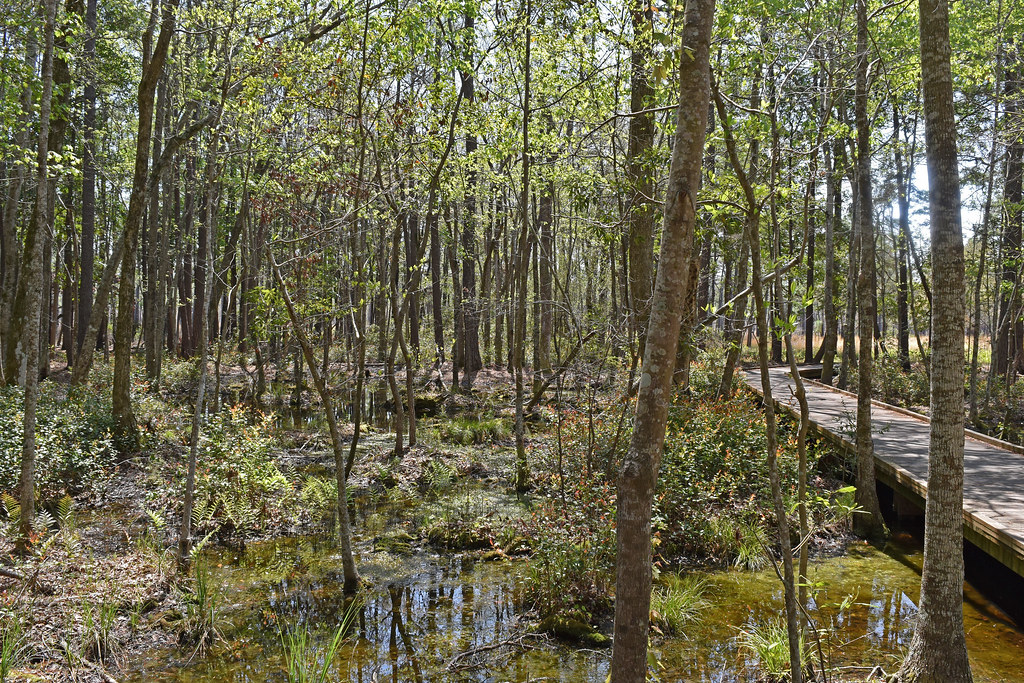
x: 768, y: 642
x: 467, y: 431
x: 200, y: 624
x: 13, y: 648
x: 306, y: 660
x: 678, y: 602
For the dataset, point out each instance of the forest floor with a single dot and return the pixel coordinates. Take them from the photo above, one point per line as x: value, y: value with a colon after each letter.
x: 102, y: 587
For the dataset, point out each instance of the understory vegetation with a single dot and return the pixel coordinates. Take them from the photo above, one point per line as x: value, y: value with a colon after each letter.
x: 256, y: 479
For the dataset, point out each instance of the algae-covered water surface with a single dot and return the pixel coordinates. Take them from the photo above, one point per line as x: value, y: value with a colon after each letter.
x: 441, y: 617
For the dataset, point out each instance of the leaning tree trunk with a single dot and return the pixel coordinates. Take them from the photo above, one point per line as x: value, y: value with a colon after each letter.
x: 639, y: 472
x: 761, y: 314
x: 938, y: 650
x: 126, y: 427
x: 349, y: 572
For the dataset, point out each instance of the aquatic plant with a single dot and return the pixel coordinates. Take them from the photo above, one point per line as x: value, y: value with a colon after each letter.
x: 573, y: 561
x: 201, y: 621
x: 98, y: 639
x: 768, y: 642
x: 678, y: 602
x: 467, y: 431
x: 751, y: 549
x: 305, y: 660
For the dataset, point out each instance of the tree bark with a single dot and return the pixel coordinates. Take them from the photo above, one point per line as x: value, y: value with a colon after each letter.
x: 639, y: 471
x: 30, y: 285
x: 832, y: 198
x: 126, y: 427
x: 902, y: 274
x: 938, y: 650
x: 518, y: 341
x: 639, y: 170
x: 472, y: 362
x: 868, y: 522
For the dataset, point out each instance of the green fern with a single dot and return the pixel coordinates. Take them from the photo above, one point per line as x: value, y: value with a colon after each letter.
x: 13, y: 512
x: 66, y: 513
x: 157, y: 520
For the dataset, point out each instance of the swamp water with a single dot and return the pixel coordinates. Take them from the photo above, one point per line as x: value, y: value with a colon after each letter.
x: 441, y: 617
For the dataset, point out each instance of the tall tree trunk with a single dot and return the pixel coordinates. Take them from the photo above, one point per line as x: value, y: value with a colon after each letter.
x: 545, y: 269
x: 152, y: 66
x: 869, y: 522
x: 849, y: 357
x: 199, y: 410
x: 735, y: 324
x: 902, y: 275
x: 832, y: 201
x: 30, y: 286
x: 985, y: 223
x: 10, y: 253
x: 1004, y: 349
x: 639, y: 169
x: 938, y: 650
x: 472, y: 363
x: 761, y: 316
x: 809, y: 290
x: 153, y: 256
x: 639, y: 471
x: 518, y: 345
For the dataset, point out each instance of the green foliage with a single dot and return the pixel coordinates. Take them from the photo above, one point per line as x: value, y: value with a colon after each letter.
x: 714, y: 477
x: 439, y: 476
x: 200, y: 624
x: 768, y: 642
x: 306, y: 661
x: 319, y: 497
x: 179, y: 377
x: 13, y: 648
x: 99, y: 641
x: 573, y: 562
x: 459, y: 528
x: 466, y: 431
x: 73, y: 442
x: 237, y: 481
x: 892, y: 384
x: 41, y: 525
x: 678, y: 602
x: 752, y: 542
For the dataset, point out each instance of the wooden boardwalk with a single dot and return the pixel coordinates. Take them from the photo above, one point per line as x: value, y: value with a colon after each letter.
x: 993, y: 470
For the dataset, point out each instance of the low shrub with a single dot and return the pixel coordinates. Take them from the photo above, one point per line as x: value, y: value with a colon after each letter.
x: 237, y: 479
x: 714, y: 479
x: 892, y: 384
x: 573, y: 563
x: 73, y: 441
x: 469, y: 431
